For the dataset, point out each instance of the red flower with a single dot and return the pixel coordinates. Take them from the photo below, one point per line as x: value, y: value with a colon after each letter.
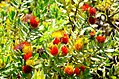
x: 92, y: 11
x: 27, y: 56
x: 26, y: 69
x: 69, y: 70
x: 33, y: 22
x: 92, y: 20
x: 85, y: 7
x: 56, y: 41
x: 65, y: 39
x: 101, y: 39
x: 77, y: 71
x: 64, y: 50
x: 92, y: 33
x: 21, y: 45
x: 82, y: 68
x: 54, y: 50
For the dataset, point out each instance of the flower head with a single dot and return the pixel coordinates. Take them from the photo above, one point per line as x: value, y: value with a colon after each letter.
x: 69, y: 70
x: 27, y: 56
x: 54, y: 50
x: 82, y: 68
x: 33, y: 22
x: 79, y: 44
x: 92, y: 20
x: 101, y: 39
x: 77, y: 71
x: 26, y: 69
x: 92, y: 11
x: 92, y: 33
x: 56, y: 40
x: 65, y: 39
x: 64, y: 50
x: 27, y: 48
x: 85, y: 7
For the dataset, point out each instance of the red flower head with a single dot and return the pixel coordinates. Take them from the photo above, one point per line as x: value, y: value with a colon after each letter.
x: 56, y: 41
x: 92, y: 33
x: 82, y: 68
x: 27, y: 56
x: 64, y: 50
x: 101, y: 39
x: 33, y: 22
x: 26, y: 69
x: 21, y: 45
x: 92, y: 20
x: 69, y: 70
x: 65, y: 39
x: 54, y: 50
x: 77, y: 71
x: 92, y: 11
x: 85, y: 7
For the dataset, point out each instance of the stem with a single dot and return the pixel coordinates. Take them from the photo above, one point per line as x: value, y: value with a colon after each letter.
x: 76, y: 11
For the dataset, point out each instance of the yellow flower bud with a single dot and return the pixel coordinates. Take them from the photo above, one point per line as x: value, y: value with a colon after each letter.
x: 30, y: 62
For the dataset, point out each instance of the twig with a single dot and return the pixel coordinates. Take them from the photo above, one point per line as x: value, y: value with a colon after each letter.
x: 76, y: 11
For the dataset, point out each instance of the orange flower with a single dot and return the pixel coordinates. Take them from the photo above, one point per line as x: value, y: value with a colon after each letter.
x: 27, y: 48
x: 79, y: 44
x: 65, y: 39
x: 64, y: 50
x: 69, y: 70
x: 101, y: 39
x: 92, y: 33
x: 54, y: 50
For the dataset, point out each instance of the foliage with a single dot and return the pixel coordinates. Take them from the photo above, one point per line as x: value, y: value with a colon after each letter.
x: 76, y: 31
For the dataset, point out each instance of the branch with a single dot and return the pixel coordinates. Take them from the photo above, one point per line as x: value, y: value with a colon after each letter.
x: 76, y: 11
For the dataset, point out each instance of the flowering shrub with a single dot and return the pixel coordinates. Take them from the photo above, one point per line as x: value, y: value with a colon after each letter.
x: 59, y: 39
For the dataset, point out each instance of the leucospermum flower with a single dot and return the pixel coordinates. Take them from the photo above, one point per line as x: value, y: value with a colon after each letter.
x: 77, y: 71
x: 64, y: 50
x: 92, y: 20
x: 69, y: 70
x: 27, y: 48
x: 85, y: 7
x: 92, y: 11
x: 101, y: 39
x: 27, y: 56
x: 54, y: 50
x: 56, y: 40
x: 79, y: 44
x: 92, y: 33
x: 26, y: 69
x: 65, y: 39
x: 33, y: 22
x: 83, y: 68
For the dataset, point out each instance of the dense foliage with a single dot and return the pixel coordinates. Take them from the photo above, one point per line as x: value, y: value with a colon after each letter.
x: 59, y: 39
